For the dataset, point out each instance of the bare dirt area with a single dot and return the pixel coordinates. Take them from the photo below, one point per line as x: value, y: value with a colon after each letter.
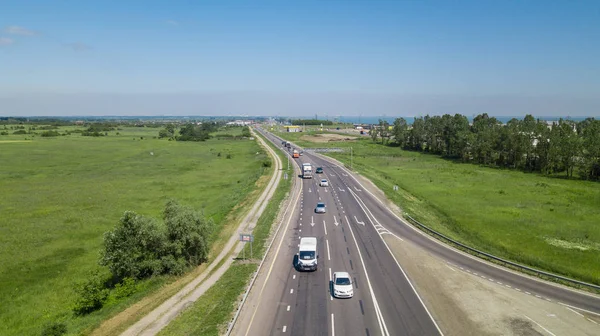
x: 327, y: 137
x: 467, y: 304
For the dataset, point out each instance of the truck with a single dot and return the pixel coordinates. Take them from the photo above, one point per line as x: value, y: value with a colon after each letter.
x: 307, y: 254
x: 296, y: 154
x: 307, y: 171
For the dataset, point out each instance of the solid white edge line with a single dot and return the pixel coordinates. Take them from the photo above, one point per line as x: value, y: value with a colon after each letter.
x: 539, y: 325
x: 574, y: 311
x: 450, y: 268
x: 577, y: 308
x: 368, y: 281
x: 291, y: 205
x: 359, y: 201
x: 330, y: 160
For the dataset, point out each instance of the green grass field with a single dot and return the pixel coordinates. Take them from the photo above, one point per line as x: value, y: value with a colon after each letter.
x: 548, y: 223
x: 212, y: 311
x: 60, y: 194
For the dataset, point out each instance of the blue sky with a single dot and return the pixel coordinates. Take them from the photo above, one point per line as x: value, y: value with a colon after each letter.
x: 304, y: 57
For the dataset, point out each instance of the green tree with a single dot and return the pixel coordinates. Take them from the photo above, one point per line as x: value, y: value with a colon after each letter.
x: 187, y: 234
x: 246, y: 132
x: 134, y: 247
x: 384, y: 131
x: 400, y: 132
x: 589, y: 131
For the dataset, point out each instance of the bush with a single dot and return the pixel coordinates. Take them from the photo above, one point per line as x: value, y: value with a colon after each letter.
x: 3, y: 133
x: 21, y: 131
x: 54, y: 329
x: 50, y: 134
x: 125, y: 288
x: 91, y: 293
x: 266, y: 163
x: 133, y: 248
x: 228, y: 156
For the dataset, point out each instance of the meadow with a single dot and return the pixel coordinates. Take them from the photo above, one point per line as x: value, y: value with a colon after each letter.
x: 58, y: 195
x: 546, y: 222
x: 210, y: 314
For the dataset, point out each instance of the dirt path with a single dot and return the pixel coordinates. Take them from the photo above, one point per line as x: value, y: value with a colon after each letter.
x: 158, y: 318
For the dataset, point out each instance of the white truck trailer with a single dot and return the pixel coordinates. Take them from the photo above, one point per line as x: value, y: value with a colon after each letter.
x: 307, y: 171
x: 307, y: 254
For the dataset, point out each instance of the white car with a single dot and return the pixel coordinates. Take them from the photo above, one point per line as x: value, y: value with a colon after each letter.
x: 342, y: 285
x: 324, y: 183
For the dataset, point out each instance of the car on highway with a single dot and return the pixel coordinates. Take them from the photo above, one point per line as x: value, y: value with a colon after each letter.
x: 342, y: 285
x: 321, y: 208
x: 324, y: 183
x: 319, y: 170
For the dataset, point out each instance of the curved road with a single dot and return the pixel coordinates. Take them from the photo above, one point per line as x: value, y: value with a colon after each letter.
x: 349, y: 239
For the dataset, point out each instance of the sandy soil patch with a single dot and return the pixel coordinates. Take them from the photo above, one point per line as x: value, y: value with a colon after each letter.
x: 327, y: 137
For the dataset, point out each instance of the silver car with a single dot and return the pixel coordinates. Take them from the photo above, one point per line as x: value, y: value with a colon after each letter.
x: 321, y: 208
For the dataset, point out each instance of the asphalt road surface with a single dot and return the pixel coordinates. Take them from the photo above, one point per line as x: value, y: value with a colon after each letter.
x: 349, y: 239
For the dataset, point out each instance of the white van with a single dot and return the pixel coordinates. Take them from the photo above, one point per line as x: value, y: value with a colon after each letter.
x: 307, y: 254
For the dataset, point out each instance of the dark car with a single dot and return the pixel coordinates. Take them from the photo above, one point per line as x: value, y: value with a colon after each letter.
x: 319, y: 170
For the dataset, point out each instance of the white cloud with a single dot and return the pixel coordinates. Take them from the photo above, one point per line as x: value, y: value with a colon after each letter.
x: 5, y: 41
x: 172, y: 22
x: 16, y: 30
x: 78, y: 46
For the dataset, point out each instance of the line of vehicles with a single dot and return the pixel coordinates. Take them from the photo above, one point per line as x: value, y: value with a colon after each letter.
x: 307, y: 256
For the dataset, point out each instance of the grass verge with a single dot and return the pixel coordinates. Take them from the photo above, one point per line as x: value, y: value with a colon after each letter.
x: 546, y: 223
x: 60, y: 194
x: 210, y: 314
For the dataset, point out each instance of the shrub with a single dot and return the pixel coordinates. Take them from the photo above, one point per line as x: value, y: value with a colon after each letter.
x: 228, y: 156
x: 54, y: 329
x: 3, y: 133
x: 266, y: 163
x: 125, y: 288
x: 91, y: 293
x: 21, y: 131
x: 50, y: 134
x: 133, y: 248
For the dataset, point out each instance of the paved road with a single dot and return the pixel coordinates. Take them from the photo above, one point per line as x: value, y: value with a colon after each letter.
x: 300, y: 303
x: 349, y: 236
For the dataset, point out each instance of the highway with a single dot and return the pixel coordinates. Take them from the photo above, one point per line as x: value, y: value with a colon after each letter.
x: 349, y: 235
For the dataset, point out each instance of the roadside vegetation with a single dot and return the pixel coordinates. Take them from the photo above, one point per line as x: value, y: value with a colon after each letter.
x: 212, y: 312
x: 60, y: 194
x: 532, y: 218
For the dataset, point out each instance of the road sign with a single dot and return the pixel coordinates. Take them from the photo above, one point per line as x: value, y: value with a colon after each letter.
x: 245, y: 237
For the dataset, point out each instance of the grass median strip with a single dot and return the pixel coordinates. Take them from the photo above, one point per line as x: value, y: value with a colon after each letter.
x: 210, y: 314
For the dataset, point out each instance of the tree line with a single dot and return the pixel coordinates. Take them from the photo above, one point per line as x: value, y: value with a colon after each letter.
x: 565, y: 146
x: 311, y: 122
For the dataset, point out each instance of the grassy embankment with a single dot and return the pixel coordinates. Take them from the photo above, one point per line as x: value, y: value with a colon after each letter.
x: 212, y: 312
x: 60, y: 194
x: 548, y: 223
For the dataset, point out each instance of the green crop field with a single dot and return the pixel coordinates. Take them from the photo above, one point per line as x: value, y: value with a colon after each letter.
x: 549, y: 223
x: 58, y: 195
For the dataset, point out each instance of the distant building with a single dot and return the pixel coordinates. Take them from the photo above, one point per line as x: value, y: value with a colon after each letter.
x: 292, y: 128
x: 240, y: 123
